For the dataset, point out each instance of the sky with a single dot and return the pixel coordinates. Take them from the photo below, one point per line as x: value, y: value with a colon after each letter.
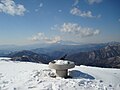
x: 25, y: 22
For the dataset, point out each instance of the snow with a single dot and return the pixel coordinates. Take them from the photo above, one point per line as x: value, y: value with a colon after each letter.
x: 5, y: 58
x: 34, y: 76
x: 61, y: 62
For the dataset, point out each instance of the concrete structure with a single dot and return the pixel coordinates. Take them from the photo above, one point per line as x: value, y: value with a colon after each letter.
x: 61, y: 67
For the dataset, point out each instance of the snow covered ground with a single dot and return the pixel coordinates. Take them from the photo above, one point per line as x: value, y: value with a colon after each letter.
x: 5, y: 58
x: 33, y: 76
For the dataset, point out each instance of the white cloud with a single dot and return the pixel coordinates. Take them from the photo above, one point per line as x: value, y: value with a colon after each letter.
x: 67, y: 31
x: 94, y: 1
x: 55, y: 39
x: 41, y: 5
x: 41, y: 37
x: 75, y: 2
x: 59, y: 10
x: 75, y: 29
x: 55, y: 27
x: 77, y: 12
x: 10, y: 7
x: 38, y: 36
x: 36, y: 10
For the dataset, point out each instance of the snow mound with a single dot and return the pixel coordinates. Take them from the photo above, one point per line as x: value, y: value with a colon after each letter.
x: 61, y: 62
x: 33, y: 76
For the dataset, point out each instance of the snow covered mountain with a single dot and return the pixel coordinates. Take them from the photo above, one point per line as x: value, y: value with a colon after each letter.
x: 16, y: 75
x: 29, y: 56
x: 108, y: 56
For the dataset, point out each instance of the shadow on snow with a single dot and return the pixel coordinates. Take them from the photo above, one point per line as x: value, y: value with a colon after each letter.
x: 78, y: 74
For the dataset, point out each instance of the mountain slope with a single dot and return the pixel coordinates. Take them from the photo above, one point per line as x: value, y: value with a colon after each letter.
x: 108, y: 56
x: 33, y: 76
x: 29, y: 56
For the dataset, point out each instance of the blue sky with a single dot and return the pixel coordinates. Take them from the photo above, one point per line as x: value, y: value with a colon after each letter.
x: 51, y: 21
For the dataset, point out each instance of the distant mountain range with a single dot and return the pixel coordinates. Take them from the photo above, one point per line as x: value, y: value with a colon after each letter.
x: 58, y: 50
x: 29, y: 56
x: 102, y: 55
x: 109, y: 56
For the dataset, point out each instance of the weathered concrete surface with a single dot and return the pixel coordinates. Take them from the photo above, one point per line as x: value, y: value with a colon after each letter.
x: 61, y: 70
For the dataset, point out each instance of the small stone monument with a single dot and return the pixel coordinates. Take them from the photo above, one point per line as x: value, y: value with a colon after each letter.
x: 61, y: 67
